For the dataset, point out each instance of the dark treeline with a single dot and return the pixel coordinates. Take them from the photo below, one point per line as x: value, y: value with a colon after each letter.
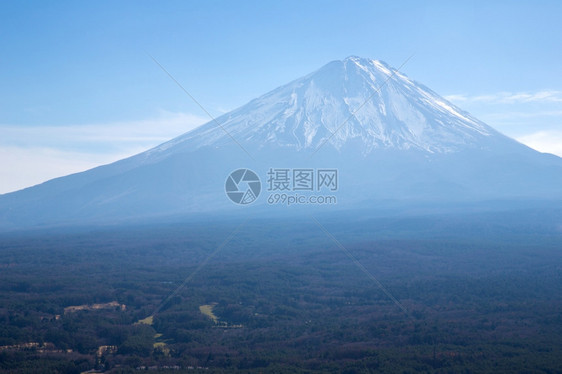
x: 482, y: 294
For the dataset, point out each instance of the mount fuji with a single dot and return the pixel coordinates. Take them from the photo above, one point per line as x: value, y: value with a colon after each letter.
x: 390, y: 138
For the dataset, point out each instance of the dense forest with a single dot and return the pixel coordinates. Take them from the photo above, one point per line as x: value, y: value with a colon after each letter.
x: 477, y: 293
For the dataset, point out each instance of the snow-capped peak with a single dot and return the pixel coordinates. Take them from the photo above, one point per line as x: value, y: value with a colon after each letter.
x: 355, y: 99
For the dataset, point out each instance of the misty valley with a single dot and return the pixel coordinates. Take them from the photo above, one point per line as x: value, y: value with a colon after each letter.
x: 480, y: 293
x: 280, y: 187
x: 439, y: 254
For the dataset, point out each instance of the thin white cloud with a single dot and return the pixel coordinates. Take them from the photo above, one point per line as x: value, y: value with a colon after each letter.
x: 25, y: 167
x: 543, y: 96
x: 33, y: 154
x: 517, y: 114
x: 544, y: 141
x: 118, y: 134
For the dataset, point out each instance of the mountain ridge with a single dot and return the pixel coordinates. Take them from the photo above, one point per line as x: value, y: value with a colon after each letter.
x: 370, y: 104
x: 390, y: 137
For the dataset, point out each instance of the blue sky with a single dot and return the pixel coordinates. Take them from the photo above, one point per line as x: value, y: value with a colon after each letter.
x: 78, y: 87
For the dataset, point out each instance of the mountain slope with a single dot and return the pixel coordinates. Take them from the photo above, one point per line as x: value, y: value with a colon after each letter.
x: 389, y: 137
x: 375, y: 104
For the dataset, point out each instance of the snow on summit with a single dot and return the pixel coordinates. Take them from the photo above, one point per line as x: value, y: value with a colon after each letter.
x: 355, y: 99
